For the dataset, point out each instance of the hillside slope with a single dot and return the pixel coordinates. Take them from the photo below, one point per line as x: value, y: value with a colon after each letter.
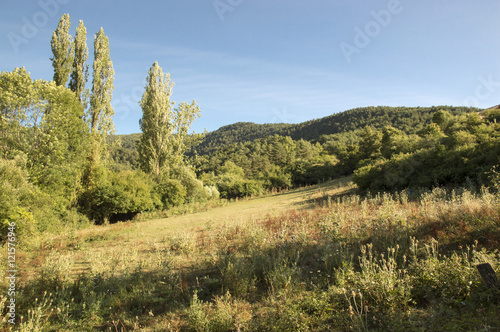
x: 407, y: 119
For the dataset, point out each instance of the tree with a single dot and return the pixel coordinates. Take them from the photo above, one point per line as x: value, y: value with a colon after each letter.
x: 163, y: 129
x: 16, y: 98
x: 43, y: 123
x: 80, y: 73
x: 391, y: 141
x: 370, y: 144
x: 442, y: 119
x: 101, y: 111
x: 63, y: 51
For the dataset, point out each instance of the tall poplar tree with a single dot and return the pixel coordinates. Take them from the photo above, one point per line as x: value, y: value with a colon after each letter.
x: 63, y: 51
x: 100, y: 112
x: 80, y: 73
x: 164, y: 129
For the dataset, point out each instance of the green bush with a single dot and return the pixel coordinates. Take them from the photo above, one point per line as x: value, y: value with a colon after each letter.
x: 122, y: 194
x: 172, y: 192
x: 21, y: 202
x: 211, y: 192
x: 238, y: 188
x: 276, y: 177
x: 187, y: 177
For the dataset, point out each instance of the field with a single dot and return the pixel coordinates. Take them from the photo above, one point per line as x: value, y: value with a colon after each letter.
x: 319, y: 258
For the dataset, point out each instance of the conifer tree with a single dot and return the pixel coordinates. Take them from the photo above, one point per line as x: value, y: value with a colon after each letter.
x: 63, y: 51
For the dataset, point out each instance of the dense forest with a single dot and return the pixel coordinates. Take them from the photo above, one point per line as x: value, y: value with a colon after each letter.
x: 406, y: 119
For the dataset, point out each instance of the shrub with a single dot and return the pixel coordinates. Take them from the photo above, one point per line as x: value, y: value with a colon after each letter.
x: 237, y: 188
x: 21, y: 202
x: 225, y: 314
x: 172, y: 193
x: 125, y: 193
x: 276, y: 177
x: 211, y: 192
x: 187, y: 177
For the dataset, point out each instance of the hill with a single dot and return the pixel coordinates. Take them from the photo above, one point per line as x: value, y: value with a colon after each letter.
x: 407, y: 119
x: 238, y: 133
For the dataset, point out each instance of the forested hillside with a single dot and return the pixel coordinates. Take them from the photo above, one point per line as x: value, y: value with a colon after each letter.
x: 235, y: 133
x: 246, y: 158
x: 407, y: 119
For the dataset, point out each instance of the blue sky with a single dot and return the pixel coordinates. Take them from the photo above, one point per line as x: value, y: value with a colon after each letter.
x: 275, y: 60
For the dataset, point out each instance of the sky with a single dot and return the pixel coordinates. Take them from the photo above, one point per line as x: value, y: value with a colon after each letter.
x: 273, y: 61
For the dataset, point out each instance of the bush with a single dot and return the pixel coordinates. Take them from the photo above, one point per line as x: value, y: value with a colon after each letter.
x: 187, y: 177
x: 237, y: 187
x: 172, y: 193
x: 277, y: 178
x: 122, y: 194
x: 21, y: 202
x: 211, y: 192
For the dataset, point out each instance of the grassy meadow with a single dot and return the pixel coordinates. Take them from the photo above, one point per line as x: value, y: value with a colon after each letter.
x: 319, y: 258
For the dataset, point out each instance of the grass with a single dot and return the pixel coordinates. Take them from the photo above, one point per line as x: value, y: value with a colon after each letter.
x: 315, y: 259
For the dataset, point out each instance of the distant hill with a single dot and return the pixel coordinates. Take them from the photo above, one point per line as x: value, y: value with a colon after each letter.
x: 406, y: 119
x: 239, y: 132
x: 124, y: 153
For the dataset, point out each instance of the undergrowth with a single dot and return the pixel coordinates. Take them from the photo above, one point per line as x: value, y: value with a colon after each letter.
x: 387, y: 262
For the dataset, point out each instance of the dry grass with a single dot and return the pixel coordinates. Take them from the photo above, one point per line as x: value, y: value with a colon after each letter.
x: 317, y: 258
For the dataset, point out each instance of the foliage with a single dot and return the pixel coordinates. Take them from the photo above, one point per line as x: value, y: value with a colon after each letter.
x: 187, y: 177
x: 339, y: 126
x: 172, y: 192
x: 450, y: 151
x: 17, y: 196
x: 123, y: 152
x: 122, y: 194
x: 63, y: 51
x: 43, y: 122
x: 101, y: 111
x: 164, y: 129
x: 80, y: 72
x: 232, y: 183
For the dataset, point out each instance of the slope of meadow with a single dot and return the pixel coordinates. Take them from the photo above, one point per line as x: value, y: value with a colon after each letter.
x: 314, y: 259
